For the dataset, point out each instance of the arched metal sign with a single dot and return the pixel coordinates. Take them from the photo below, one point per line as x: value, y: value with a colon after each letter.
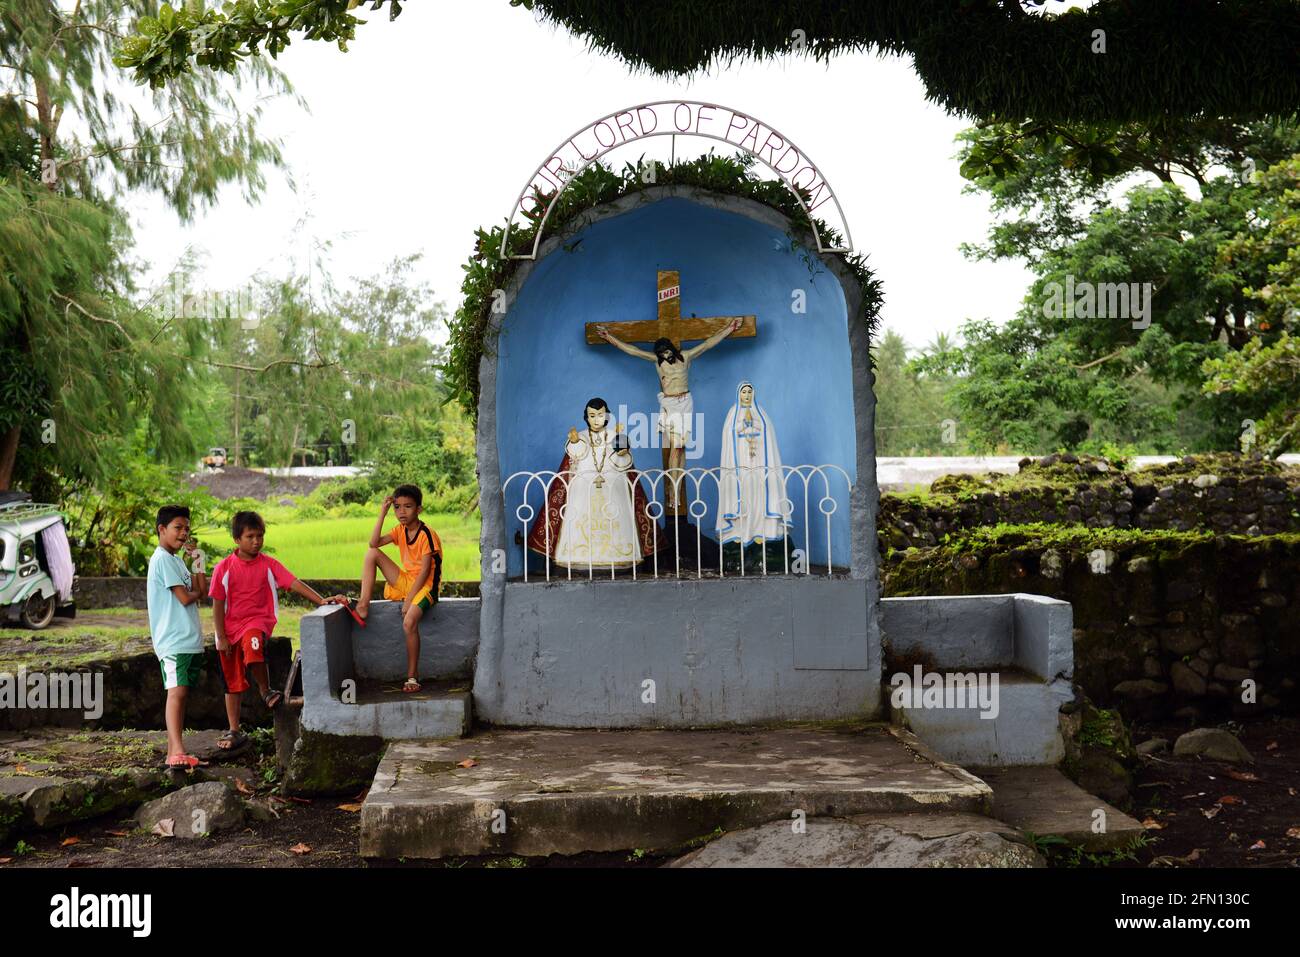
x: 674, y: 118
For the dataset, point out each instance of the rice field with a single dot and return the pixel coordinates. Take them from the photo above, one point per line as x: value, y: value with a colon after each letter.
x: 334, y: 547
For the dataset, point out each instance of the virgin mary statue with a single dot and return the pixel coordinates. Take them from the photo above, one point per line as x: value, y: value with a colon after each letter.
x: 752, y: 504
x: 595, y: 514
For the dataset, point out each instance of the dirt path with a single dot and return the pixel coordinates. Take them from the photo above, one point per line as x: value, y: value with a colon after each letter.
x: 1220, y: 815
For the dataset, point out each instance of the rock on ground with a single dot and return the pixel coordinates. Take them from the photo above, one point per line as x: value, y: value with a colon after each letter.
x: 1213, y: 743
x: 194, y: 811
x: 861, y: 842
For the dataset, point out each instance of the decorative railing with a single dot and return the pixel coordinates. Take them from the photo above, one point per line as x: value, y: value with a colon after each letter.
x: 816, y: 496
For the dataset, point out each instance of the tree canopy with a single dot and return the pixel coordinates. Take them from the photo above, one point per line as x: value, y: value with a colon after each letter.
x: 1116, y: 60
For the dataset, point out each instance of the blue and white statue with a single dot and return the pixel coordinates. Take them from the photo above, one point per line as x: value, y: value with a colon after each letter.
x: 752, y: 504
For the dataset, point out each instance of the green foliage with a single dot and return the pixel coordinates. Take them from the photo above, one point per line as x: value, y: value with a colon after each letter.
x: 167, y: 47
x: 324, y: 380
x: 1265, y: 374
x: 111, y: 519
x: 473, y: 329
x: 914, y: 415
x: 986, y: 58
x: 73, y: 146
x: 434, y: 456
x: 1054, y: 376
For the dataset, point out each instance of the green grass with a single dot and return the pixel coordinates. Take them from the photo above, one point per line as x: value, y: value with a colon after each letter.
x: 76, y: 643
x: 334, y: 547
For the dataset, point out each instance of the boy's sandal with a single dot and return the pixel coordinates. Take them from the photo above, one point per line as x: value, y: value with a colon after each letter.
x: 272, y: 699
x: 411, y: 685
x: 351, y: 606
x: 237, y: 741
x: 186, y: 762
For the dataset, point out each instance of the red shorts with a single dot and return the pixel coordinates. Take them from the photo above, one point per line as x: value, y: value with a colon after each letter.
x: 249, y: 649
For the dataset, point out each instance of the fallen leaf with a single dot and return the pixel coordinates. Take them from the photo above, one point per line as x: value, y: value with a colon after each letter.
x: 1211, y: 811
x: 1230, y: 799
x: 243, y: 788
x: 1258, y: 846
x: 1151, y: 824
x: 1241, y: 775
x: 1293, y: 832
x: 1194, y: 856
x: 350, y: 807
x: 467, y: 763
x: 6, y: 860
x: 301, y: 848
x: 1291, y: 791
x: 119, y: 833
x: 69, y: 841
x: 165, y: 828
x: 1271, y: 746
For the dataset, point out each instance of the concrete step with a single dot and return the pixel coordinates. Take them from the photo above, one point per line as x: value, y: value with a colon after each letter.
x: 442, y: 708
x: 1024, y: 729
x: 542, y: 792
x: 1047, y: 803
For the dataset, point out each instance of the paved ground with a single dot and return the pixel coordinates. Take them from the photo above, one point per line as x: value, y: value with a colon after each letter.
x: 569, y: 792
x: 1043, y: 801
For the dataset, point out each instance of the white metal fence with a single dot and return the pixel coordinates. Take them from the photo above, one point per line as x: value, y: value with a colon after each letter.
x: 814, y: 495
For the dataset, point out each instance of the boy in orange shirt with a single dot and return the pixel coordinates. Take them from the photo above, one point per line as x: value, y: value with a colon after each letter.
x: 416, y: 582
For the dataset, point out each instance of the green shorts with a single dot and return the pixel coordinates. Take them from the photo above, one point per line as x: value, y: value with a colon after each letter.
x: 181, y: 671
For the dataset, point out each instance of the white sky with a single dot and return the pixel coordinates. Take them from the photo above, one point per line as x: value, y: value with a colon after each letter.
x: 430, y: 125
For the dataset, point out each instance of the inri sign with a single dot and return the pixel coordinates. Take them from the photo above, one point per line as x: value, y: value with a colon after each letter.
x: 677, y: 118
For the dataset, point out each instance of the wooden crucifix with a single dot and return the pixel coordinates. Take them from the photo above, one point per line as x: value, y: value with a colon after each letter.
x: 668, y: 332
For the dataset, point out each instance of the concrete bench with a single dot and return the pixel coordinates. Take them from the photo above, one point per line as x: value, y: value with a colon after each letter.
x: 1025, y: 641
x: 351, y: 676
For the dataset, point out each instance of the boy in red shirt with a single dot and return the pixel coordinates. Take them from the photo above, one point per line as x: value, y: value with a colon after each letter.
x: 245, y: 606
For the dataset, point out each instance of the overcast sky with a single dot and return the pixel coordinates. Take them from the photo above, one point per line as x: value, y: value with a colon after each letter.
x: 429, y: 126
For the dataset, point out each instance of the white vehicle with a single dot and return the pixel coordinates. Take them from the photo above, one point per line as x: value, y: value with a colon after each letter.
x: 36, y: 570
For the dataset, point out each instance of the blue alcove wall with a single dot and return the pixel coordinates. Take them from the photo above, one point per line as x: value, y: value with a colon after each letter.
x: 730, y: 264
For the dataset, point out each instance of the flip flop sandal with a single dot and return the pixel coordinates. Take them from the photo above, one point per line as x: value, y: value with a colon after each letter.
x: 238, y: 741
x: 183, y: 762
x: 272, y: 699
x: 351, y: 606
x: 411, y: 686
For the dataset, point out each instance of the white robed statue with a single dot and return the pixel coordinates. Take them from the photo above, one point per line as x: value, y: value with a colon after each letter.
x: 595, y: 514
x: 752, y: 504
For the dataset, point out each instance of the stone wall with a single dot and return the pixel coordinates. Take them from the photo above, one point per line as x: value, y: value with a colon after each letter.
x: 1165, y: 622
x: 134, y: 696
x: 1222, y: 493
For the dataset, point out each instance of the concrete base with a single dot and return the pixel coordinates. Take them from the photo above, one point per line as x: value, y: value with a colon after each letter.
x: 567, y: 792
x: 1025, y: 730
x: 1045, y: 802
x: 679, y: 653
x: 351, y: 676
x: 1025, y: 641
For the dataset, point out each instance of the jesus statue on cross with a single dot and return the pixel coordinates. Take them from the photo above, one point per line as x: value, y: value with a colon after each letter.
x: 676, y: 409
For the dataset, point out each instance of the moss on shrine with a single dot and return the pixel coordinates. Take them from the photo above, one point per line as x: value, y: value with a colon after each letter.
x: 486, y: 272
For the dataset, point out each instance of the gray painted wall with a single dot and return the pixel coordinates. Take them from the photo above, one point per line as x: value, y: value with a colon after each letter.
x: 510, y: 623
x: 718, y: 651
